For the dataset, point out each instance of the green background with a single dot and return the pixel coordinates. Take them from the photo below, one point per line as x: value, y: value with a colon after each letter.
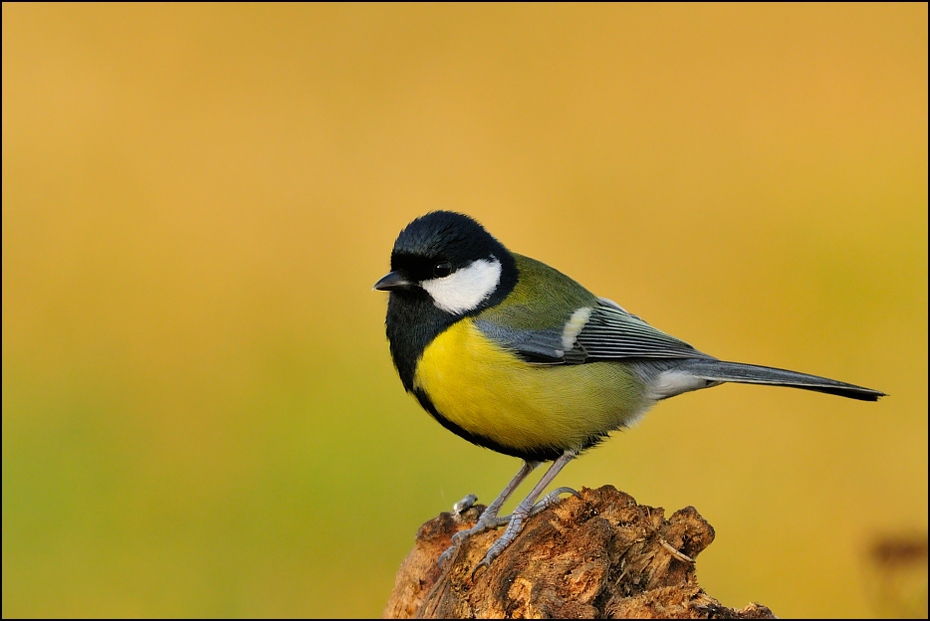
x: 200, y: 416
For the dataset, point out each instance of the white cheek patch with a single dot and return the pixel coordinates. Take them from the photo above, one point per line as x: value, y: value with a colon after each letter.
x: 465, y: 288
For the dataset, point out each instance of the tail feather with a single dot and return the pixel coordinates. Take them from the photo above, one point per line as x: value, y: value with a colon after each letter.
x: 721, y: 371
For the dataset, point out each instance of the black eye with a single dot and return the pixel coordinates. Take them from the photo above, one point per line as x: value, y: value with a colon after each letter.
x: 442, y: 269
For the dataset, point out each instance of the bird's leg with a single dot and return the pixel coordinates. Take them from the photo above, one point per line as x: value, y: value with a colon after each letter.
x: 489, y: 519
x: 526, y: 508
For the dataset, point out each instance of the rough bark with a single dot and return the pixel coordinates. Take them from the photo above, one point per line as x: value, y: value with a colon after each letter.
x: 600, y: 555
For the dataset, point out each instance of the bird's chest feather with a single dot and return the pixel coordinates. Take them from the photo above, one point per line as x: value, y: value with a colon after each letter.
x: 478, y: 385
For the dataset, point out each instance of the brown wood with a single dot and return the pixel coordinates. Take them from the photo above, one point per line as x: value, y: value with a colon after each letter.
x: 600, y: 555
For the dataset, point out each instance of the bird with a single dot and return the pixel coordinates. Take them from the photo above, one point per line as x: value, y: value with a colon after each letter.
x: 515, y: 356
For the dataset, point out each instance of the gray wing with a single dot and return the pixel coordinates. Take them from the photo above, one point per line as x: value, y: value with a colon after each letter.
x: 614, y: 334
x: 540, y: 346
x: 608, y: 332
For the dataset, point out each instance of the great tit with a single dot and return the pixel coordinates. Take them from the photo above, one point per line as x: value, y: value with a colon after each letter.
x: 517, y: 357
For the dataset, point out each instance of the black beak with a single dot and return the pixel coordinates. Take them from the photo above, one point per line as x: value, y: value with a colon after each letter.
x: 394, y: 280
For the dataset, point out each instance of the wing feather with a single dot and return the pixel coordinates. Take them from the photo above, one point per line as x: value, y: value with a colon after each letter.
x: 610, y: 333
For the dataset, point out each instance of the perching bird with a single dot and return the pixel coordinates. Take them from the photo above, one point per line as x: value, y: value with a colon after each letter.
x: 513, y: 355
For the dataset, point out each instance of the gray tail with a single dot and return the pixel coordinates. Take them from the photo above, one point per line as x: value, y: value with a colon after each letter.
x: 720, y: 371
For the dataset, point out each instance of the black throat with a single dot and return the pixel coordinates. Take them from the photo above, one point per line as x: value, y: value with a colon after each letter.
x: 413, y: 320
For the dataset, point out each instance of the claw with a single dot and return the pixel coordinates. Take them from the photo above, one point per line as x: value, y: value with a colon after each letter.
x: 483, y: 563
x: 446, y: 556
x: 459, y: 537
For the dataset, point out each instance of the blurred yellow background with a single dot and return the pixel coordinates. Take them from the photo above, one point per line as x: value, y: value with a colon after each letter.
x: 200, y: 416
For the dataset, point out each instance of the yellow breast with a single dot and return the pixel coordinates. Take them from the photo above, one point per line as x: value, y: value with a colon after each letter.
x: 489, y: 392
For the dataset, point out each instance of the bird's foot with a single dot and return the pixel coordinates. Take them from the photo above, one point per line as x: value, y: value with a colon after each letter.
x: 552, y: 498
x: 514, y: 523
x: 514, y: 526
x: 488, y: 520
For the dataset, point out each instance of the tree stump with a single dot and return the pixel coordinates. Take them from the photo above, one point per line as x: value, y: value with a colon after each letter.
x: 599, y: 555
